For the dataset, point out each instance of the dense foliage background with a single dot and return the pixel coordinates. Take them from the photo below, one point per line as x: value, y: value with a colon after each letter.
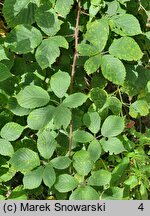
x: 74, y: 99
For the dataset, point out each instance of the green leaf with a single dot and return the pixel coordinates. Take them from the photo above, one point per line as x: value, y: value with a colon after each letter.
x: 82, y: 136
x: 125, y: 25
x: 114, y: 105
x: 61, y: 162
x: 75, y: 100
x: 112, y: 126
x: 93, y: 10
x: 15, y: 108
x: 47, y: 19
x: 139, y: 107
x: 6, y: 148
x: 4, y: 72
x: 33, y: 178
x: 113, y: 145
x: 113, y: 193
x: 112, y: 9
x: 95, y: 150
x: 11, y: 131
x: 8, y: 175
x: 136, y: 79
x: 62, y: 117
x: 98, y: 96
x: 39, y: 118
x: 119, y: 171
x: 96, y: 2
x: 23, y: 39
x: 97, y: 33
x: 2, y: 54
x: 18, y: 193
x: 132, y: 181
x: 48, y: 50
x: 87, y: 49
x: 84, y: 193
x: 32, y: 97
x: 126, y: 48
x: 49, y: 176
x: 92, y: 64
x: 93, y: 121
x: 65, y: 183
x: 63, y: 7
x: 82, y: 162
x: 24, y: 160
x: 143, y: 192
x: 19, y: 11
x: 46, y: 144
x: 60, y: 83
x: 113, y: 69
x: 148, y: 86
x: 100, y: 178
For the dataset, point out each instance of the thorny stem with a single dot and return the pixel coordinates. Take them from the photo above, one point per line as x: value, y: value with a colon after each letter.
x: 76, y: 35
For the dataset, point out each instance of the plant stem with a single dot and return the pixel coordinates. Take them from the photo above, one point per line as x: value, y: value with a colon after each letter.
x: 76, y: 35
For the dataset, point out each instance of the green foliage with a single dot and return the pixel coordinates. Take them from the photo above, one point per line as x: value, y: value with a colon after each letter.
x: 5, y: 73
x: 74, y: 99
x: 11, y: 131
x: 60, y: 82
x: 112, y: 126
x: 23, y: 39
x: 24, y: 160
x: 32, y: 97
x: 113, y: 69
x: 100, y: 178
x: 119, y: 46
x: 66, y: 183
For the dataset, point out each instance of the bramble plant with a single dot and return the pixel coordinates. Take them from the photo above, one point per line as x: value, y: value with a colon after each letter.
x: 74, y: 99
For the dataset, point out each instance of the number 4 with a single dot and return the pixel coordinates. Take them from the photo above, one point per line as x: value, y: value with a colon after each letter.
x: 141, y: 207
